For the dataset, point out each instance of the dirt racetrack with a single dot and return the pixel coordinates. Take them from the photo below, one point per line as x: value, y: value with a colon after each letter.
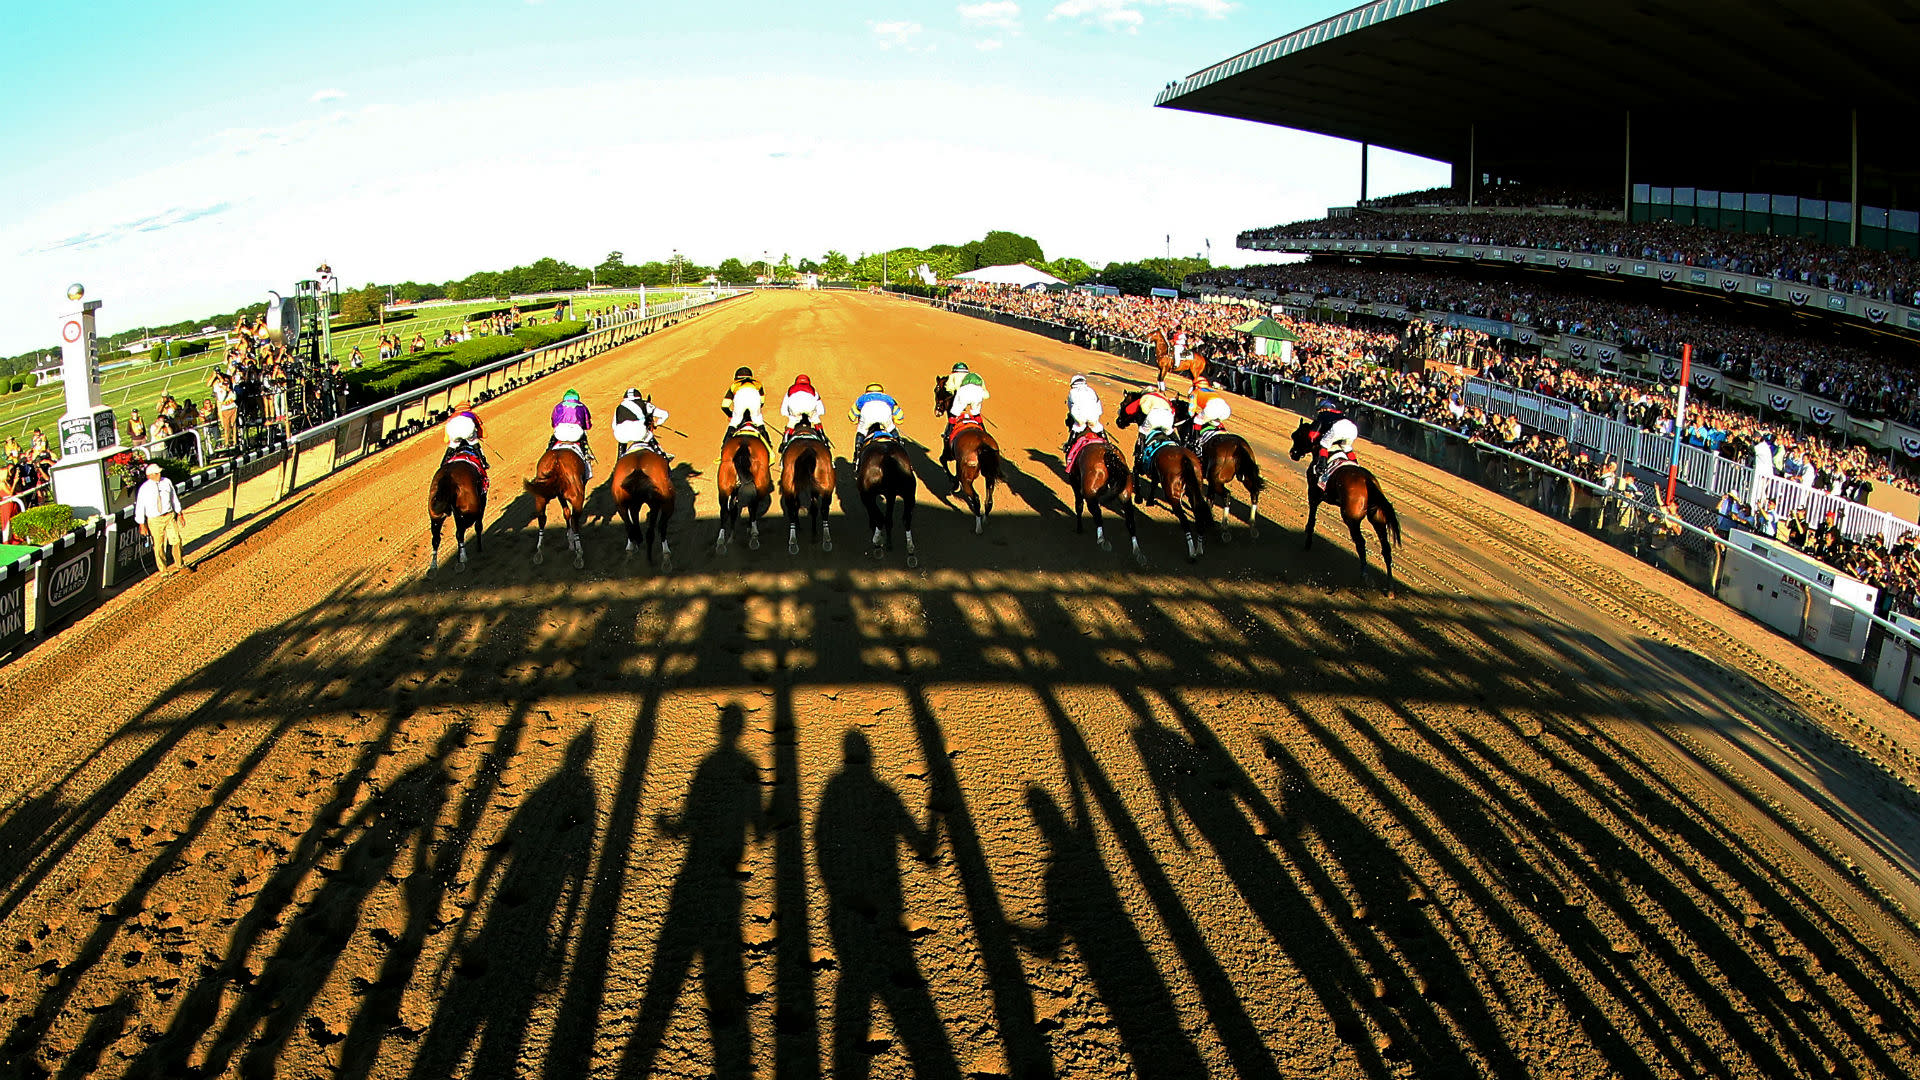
x: 1027, y: 810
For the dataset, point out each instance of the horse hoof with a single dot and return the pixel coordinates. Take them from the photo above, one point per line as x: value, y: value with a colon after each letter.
x: 460, y: 567
x: 793, y: 549
x: 825, y: 545
x: 1140, y: 557
x: 666, y: 564
x: 539, y: 557
x: 753, y: 543
x: 1253, y: 533
x: 579, y: 562
x: 1225, y: 536
x: 913, y: 561
x: 1106, y: 545
x: 979, y: 525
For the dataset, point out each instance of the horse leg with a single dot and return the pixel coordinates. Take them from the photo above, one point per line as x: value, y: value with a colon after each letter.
x: 573, y: 535
x: 433, y: 560
x: 1099, y: 529
x: 460, y: 541
x: 906, y: 522
x: 790, y: 508
x: 1386, y: 548
x: 980, y: 520
x: 1133, y: 535
x: 1078, y: 501
x: 1359, y: 545
x: 540, y: 538
x: 1313, y: 510
x: 871, y: 500
x: 1186, y: 525
x: 822, y: 506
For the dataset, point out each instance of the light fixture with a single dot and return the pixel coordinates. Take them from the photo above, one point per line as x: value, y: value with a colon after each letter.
x: 76, y: 291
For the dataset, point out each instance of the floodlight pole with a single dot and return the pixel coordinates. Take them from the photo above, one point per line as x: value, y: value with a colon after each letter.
x: 1680, y: 418
x: 1363, y: 174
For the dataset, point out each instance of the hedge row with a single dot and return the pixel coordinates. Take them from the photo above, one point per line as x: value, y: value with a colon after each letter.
x: 168, y: 351
x: 43, y: 524
x: 16, y: 383
x: 431, y: 366
x: 537, y: 305
x: 392, y: 317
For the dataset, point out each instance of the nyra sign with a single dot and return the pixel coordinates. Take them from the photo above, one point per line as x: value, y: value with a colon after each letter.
x: 13, y: 612
x: 69, y: 581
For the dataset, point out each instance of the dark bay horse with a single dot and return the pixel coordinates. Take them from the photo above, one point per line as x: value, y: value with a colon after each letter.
x: 457, y: 490
x: 1173, y: 472
x: 885, y: 479
x: 641, y: 481
x: 743, y: 483
x: 1224, y: 458
x: 1100, y: 474
x: 806, y: 480
x: 975, y: 455
x: 561, y: 474
x: 1355, y: 491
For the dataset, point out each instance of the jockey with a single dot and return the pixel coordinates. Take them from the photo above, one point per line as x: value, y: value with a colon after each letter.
x: 633, y: 423
x: 1083, y: 410
x: 803, y: 402
x: 1156, y: 412
x: 571, y: 422
x: 873, y: 410
x: 969, y: 393
x: 743, y: 402
x: 1332, y: 432
x: 1210, y: 407
x: 463, y: 434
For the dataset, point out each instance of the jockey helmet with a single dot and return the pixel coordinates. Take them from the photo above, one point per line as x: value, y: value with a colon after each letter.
x: 571, y: 395
x: 1078, y: 380
x: 875, y: 388
x: 802, y: 380
x: 743, y: 373
x: 1328, y: 403
x: 959, y: 367
x: 632, y: 392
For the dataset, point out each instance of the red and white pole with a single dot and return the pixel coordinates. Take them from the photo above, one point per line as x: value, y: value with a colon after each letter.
x: 1680, y: 418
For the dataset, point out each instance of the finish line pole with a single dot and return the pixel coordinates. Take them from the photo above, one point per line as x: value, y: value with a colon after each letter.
x: 1680, y: 418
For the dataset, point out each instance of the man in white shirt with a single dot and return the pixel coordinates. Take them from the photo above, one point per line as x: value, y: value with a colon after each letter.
x: 157, y: 510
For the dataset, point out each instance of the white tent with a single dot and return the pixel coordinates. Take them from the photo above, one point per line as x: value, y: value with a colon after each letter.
x: 1014, y: 274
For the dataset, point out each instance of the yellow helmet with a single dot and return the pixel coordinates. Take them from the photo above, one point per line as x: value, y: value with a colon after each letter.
x: 875, y: 388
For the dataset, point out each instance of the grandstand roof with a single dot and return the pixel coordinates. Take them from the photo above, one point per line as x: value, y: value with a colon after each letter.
x: 1412, y: 75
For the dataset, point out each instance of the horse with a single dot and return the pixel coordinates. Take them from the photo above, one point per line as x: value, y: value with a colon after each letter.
x: 1175, y: 479
x: 806, y: 476
x: 1225, y: 457
x: 1357, y: 493
x: 640, y: 480
x: 1165, y: 359
x: 885, y: 476
x: 743, y: 483
x: 1098, y: 473
x: 457, y: 490
x: 974, y: 453
x: 561, y: 474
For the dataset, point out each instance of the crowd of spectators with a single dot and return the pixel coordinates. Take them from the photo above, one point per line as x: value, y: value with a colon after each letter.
x: 1880, y: 275
x: 1503, y: 195
x: 1870, y: 384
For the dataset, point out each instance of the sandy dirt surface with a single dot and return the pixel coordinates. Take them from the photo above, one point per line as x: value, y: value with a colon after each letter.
x: 1026, y: 810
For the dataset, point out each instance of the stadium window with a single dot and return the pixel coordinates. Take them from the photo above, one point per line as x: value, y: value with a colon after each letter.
x: 1839, y: 211
x: 1662, y: 196
x: 1642, y: 193
x: 1873, y: 217
x: 1813, y: 208
x: 1683, y: 196
x: 1904, y: 221
x: 1786, y: 205
x: 1709, y: 199
x: 1732, y: 200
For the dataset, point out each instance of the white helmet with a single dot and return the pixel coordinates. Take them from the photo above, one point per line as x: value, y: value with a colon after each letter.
x: 1078, y: 380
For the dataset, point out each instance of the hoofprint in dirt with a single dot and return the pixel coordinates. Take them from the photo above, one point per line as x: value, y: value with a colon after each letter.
x: 1036, y: 812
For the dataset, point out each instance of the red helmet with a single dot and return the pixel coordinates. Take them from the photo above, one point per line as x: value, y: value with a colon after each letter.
x: 801, y: 382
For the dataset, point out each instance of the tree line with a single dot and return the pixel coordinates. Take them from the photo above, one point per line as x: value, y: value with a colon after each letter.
x: 897, y: 266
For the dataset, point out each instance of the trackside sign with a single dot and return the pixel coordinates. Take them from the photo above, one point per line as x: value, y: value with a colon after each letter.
x: 69, y: 580
x: 13, y: 609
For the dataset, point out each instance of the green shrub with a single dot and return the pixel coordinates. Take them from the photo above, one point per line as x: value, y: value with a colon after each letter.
x: 43, y: 524
x: 178, y: 470
x: 534, y: 337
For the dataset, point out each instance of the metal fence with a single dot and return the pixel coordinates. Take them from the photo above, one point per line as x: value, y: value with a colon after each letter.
x: 1700, y: 468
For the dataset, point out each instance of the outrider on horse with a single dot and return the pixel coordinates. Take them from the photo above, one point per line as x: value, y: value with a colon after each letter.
x: 1171, y: 353
x: 1342, y: 481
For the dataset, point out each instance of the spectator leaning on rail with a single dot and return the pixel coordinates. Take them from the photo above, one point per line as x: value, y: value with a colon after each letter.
x: 158, y: 512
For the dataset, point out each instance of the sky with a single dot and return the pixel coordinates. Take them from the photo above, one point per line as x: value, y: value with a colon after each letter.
x: 183, y: 158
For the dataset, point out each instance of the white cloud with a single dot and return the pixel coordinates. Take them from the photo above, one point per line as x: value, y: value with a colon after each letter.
x: 1127, y: 14
x: 321, y: 97
x: 988, y: 44
x: 896, y: 32
x: 994, y: 14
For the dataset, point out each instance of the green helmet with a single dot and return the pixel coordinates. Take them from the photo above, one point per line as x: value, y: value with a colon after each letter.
x: 957, y: 368
x: 571, y: 395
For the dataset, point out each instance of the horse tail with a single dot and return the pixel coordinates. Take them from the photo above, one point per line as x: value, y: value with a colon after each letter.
x: 895, y: 467
x: 1248, y: 470
x: 545, y: 484
x: 444, y: 496
x: 745, y: 488
x: 989, y: 459
x: 1378, y: 499
x: 1196, y: 491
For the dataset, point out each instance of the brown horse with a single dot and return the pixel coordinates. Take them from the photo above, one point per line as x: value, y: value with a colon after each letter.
x: 1174, y: 479
x: 457, y: 489
x: 1355, y: 491
x: 641, y: 481
x: 561, y: 474
x: 1099, y: 474
x: 744, y: 483
x: 806, y: 478
x: 974, y: 453
x: 1225, y: 457
x: 1165, y: 358
x: 885, y: 479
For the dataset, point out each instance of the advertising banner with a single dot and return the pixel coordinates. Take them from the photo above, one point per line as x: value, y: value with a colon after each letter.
x: 69, y: 579
x: 13, y: 606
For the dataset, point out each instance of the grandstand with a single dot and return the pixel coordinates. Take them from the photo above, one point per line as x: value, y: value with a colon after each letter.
x: 1706, y: 171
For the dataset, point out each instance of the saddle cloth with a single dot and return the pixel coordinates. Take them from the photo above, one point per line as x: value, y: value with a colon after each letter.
x: 1334, y: 462
x: 1150, y: 444
x: 1205, y: 435
x: 961, y: 423
x: 1086, y: 439
x: 460, y: 453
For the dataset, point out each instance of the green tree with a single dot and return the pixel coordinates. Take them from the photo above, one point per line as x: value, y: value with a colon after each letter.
x: 362, y: 305
x: 835, y: 265
x: 733, y: 270
x: 1070, y: 270
x: 1134, y: 279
